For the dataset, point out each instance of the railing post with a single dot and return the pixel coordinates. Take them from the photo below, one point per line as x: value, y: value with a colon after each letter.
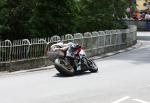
x: 44, y: 42
x: 77, y: 37
x: 95, y: 37
x: 9, y: 57
x: 29, y: 44
x: 102, y: 41
x: 68, y: 38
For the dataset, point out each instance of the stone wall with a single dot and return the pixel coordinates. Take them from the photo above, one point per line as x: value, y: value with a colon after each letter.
x: 141, y: 24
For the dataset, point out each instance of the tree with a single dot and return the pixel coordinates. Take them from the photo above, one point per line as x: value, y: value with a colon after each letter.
x: 3, y: 18
x: 120, y: 7
x: 54, y: 17
x: 38, y: 18
x: 14, y: 17
x: 101, y: 14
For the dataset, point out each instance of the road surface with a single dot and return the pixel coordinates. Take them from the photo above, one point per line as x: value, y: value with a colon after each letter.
x: 122, y: 78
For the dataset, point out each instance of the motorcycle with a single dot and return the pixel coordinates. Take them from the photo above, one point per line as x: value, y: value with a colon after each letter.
x: 68, y: 65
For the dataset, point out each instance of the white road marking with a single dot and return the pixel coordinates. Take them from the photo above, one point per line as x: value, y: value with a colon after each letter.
x: 140, y: 101
x: 122, y: 99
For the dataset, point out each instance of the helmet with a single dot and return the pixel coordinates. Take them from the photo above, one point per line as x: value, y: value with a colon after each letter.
x: 74, y: 47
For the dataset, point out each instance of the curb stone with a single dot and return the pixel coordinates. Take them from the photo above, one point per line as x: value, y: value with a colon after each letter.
x: 25, y: 71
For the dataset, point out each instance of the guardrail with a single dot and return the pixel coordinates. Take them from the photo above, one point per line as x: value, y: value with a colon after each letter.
x: 95, y: 43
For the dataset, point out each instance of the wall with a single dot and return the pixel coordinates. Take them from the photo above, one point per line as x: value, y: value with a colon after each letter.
x: 141, y: 24
x: 95, y: 43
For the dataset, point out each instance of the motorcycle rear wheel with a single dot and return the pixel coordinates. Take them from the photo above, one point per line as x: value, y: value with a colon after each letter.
x: 64, y: 67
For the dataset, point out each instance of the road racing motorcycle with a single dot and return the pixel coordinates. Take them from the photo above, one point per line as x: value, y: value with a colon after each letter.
x: 68, y: 65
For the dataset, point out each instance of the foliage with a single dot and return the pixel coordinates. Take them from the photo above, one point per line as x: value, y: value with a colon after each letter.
x: 15, y: 16
x: 120, y: 7
x: 102, y: 14
x: 3, y: 15
x: 29, y: 18
x: 54, y: 17
x: 40, y: 18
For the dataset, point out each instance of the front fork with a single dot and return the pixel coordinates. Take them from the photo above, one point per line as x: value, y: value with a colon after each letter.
x: 82, y: 59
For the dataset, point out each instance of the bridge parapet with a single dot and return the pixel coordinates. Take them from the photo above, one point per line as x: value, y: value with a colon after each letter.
x: 28, y: 54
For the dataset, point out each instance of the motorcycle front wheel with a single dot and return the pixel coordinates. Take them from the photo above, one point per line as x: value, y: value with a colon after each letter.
x: 64, y: 67
x: 92, y: 66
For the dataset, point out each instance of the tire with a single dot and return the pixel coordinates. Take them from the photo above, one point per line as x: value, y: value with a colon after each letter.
x: 64, y: 67
x: 92, y: 66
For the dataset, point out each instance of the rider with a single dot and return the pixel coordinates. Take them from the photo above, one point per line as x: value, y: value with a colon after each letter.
x: 68, y: 48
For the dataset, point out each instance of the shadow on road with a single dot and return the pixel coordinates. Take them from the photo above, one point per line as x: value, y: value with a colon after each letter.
x: 77, y: 74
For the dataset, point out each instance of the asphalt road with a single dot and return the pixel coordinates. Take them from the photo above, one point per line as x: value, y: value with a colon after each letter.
x: 122, y: 78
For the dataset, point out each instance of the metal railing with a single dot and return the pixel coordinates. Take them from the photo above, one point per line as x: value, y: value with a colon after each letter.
x: 35, y: 48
